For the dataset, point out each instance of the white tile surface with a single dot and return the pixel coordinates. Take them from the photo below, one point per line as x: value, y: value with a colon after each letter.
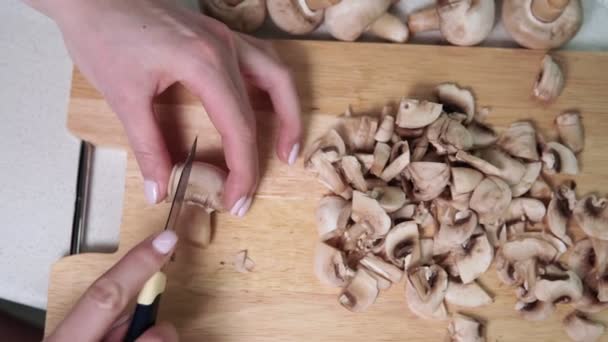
x: 38, y: 157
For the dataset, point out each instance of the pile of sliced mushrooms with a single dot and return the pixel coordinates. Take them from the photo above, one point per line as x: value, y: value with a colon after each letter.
x: 429, y: 192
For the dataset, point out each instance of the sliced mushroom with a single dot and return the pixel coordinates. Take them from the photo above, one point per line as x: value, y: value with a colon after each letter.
x: 400, y: 159
x: 427, y: 222
x: 581, y: 329
x: 483, y: 136
x: 409, y: 133
x: 391, y: 198
x: 294, y: 16
x: 591, y: 216
x: 461, y: 202
x: 558, y: 244
x: 589, y: 302
x: 425, y: 256
x: 491, y: 199
x: 382, y: 153
x: 405, y: 213
x: 425, y: 289
x: 540, y: 190
x: 582, y: 258
x: 557, y: 158
x: 242, y: 15
x: 331, y: 145
x: 469, y: 295
x: 464, y: 180
x: 525, y: 209
x: 351, y: 239
x: 449, y: 136
x: 330, y: 266
x: 386, y: 129
x: 456, y: 233
x: 526, y: 247
x: 362, y: 134
x: 570, y: 129
x: 243, y: 263
x: 535, y: 311
x: 401, y: 245
x: 456, y: 99
x: 368, y: 210
x: 328, y: 175
x: 366, y: 160
x: 519, y: 140
x: 550, y: 81
x: 600, y: 249
x: 567, y: 288
x: 494, y: 162
x: 528, y: 180
x: 332, y: 216
x: 417, y: 114
x: 560, y: 210
x: 506, y: 271
x: 465, y: 329
x: 353, y: 172
x: 429, y: 179
x: 382, y: 268
x: 475, y: 257
x: 360, y: 293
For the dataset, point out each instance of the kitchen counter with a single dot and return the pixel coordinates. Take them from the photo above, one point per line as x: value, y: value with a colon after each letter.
x: 39, y: 156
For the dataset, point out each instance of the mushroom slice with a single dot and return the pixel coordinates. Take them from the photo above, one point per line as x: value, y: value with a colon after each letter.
x: 328, y: 176
x: 528, y: 180
x: 425, y: 289
x: 600, y: 249
x: 535, y: 311
x: 244, y: 15
x: 409, y: 133
x: 425, y: 256
x: 391, y: 198
x: 465, y: 329
x: 456, y: 233
x: 400, y: 159
x: 429, y: 179
x: 420, y: 147
x: 331, y: 145
x: 589, y: 302
x: 366, y: 160
x: 461, y: 201
x: 456, y: 99
x: 582, y: 258
x: 528, y: 271
x: 448, y: 136
x: 526, y: 247
x: 559, y: 288
x: 570, y: 129
x: 590, y: 215
x: 405, y: 213
x: 353, y: 172
x: 427, y: 222
x: 294, y: 16
x: 550, y: 81
x: 557, y: 158
x: 519, y: 140
x: 382, y: 153
x: 401, y: 245
x: 467, y: 295
x: 386, y: 129
x: 506, y: 271
x: 330, y: 266
x: 558, y: 244
x: 540, y: 190
x: 494, y: 162
x: 350, y: 240
x: 491, y: 199
x: 332, y: 216
x: 360, y: 293
x: 367, y: 210
x: 483, y: 136
x: 525, y: 209
x: 362, y: 135
x: 243, y: 263
x: 417, y: 114
x: 382, y: 268
x: 475, y: 257
x: 464, y: 180
x: 559, y: 211
x: 581, y: 329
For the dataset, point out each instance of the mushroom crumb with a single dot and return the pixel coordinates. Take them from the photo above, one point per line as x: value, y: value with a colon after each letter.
x: 243, y: 263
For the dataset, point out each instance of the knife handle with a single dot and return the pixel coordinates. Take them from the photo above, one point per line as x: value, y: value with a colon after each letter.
x: 147, y: 306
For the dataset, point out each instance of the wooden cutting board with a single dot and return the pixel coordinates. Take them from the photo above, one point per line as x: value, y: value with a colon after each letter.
x: 281, y: 300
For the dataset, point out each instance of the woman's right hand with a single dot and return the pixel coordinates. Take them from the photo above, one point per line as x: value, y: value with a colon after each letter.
x: 133, y: 50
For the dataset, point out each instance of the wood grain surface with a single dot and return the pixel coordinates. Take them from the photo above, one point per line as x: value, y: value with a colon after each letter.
x: 281, y: 300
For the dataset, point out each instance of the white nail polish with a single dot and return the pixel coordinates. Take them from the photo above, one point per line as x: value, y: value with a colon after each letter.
x: 164, y: 242
x: 245, y: 208
x: 293, y: 155
x: 151, y: 191
x: 237, y: 206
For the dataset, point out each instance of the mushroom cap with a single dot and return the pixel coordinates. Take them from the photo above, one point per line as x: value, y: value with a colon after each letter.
x: 528, y: 180
x: 464, y: 180
x: 330, y: 266
x: 491, y: 199
x: 535, y: 311
x: 332, y: 216
x: 534, y: 33
x: 475, y: 257
x: 205, y: 185
x: 519, y: 140
x: 469, y: 295
x: 367, y: 210
x: 580, y: 328
x: 456, y: 99
x: 294, y: 16
x: 425, y: 289
x: 360, y: 293
x: 550, y: 81
x: 348, y: 19
x: 465, y: 329
x: 466, y: 22
x: 417, y: 114
x: 552, y: 288
x: 591, y: 216
x: 429, y: 179
x: 582, y: 258
x: 570, y: 129
x: 246, y: 16
x: 401, y: 245
x: 391, y: 198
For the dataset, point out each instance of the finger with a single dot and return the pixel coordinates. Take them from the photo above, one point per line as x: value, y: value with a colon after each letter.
x: 107, y: 297
x: 148, y: 145
x: 229, y: 110
x: 269, y: 74
x: 118, y: 330
x: 164, y: 332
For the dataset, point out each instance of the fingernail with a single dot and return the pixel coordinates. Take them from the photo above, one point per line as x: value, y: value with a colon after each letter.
x: 151, y: 191
x: 245, y: 208
x: 293, y: 155
x: 164, y: 242
x: 237, y: 206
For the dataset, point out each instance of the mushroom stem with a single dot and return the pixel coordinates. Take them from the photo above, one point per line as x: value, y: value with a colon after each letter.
x: 316, y: 5
x: 548, y: 10
x: 425, y: 20
x: 389, y: 27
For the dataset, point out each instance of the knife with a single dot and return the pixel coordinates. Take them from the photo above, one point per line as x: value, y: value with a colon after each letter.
x: 149, y: 297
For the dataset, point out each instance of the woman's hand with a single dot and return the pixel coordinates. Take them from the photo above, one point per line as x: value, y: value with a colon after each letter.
x: 99, y: 313
x: 133, y: 50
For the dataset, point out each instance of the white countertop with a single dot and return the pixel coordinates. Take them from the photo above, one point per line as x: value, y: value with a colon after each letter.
x: 39, y: 157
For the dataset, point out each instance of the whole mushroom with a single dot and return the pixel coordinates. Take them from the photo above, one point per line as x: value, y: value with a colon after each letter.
x: 298, y: 16
x: 240, y: 15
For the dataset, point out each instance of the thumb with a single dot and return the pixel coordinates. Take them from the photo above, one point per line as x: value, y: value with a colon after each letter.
x: 149, y: 147
x: 164, y: 332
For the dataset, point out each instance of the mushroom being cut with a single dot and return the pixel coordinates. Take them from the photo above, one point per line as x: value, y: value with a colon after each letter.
x: 581, y: 329
x: 425, y: 289
x: 469, y: 295
x: 491, y: 199
x: 349, y: 19
x: 298, y: 16
x: 465, y: 329
x: 550, y: 81
x: 519, y: 140
x: 240, y: 15
x: 417, y: 114
x: 360, y: 293
x: 542, y: 24
x: 464, y: 22
x: 557, y: 158
x: 332, y: 216
x: 591, y: 215
x: 203, y: 196
x: 367, y: 210
x: 570, y: 129
x: 456, y: 99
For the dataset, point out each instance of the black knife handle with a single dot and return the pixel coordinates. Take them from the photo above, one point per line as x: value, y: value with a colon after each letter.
x: 147, y: 307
